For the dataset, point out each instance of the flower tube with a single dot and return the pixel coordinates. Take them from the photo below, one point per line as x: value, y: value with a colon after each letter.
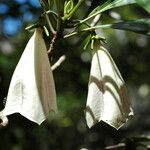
x: 107, y: 98
x: 32, y: 90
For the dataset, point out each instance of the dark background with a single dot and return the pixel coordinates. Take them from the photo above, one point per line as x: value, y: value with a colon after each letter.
x: 67, y: 130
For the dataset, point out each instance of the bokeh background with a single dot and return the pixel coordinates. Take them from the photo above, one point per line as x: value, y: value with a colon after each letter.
x: 67, y: 130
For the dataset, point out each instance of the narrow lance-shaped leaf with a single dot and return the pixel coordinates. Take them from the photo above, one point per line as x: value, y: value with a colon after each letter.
x: 145, y: 4
x: 141, y: 26
x: 109, y: 4
x: 32, y: 90
x: 107, y: 98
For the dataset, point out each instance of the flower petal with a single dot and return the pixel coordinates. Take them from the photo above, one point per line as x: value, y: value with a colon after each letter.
x: 32, y: 90
x: 107, y: 95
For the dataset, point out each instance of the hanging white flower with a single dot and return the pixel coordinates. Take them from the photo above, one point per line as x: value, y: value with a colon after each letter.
x: 107, y: 98
x: 32, y: 90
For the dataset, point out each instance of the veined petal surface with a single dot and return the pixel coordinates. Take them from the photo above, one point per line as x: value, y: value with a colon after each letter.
x: 107, y: 98
x: 32, y: 89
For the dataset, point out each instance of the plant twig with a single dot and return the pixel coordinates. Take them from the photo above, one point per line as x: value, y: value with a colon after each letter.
x: 49, y: 2
x: 59, y: 62
x: 115, y: 146
x: 56, y: 32
x: 50, y: 12
x: 44, y: 5
x: 88, y: 29
x: 55, y: 35
x: 50, y: 25
x: 51, y: 47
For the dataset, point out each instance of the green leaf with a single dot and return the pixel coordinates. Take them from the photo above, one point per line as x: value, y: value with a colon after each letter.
x: 88, y: 41
x: 68, y: 7
x: 141, y: 26
x: 46, y: 30
x: 145, y: 4
x: 33, y: 26
x: 109, y: 4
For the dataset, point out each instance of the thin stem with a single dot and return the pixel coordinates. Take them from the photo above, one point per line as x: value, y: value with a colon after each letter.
x: 45, y: 7
x: 82, y: 21
x: 52, y: 43
x: 115, y: 146
x: 88, y: 29
x: 59, y: 62
x: 74, y: 10
x: 50, y: 25
x: 50, y: 12
x: 58, y: 24
x: 57, y: 30
x: 97, y: 27
x: 49, y: 2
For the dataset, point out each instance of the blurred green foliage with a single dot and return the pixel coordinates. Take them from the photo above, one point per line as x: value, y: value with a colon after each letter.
x: 67, y: 130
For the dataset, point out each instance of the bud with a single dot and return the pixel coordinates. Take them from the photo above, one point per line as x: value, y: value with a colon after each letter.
x: 107, y: 98
x: 32, y: 90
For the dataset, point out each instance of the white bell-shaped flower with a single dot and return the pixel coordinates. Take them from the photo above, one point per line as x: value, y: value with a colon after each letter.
x: 32, y: 90
x: 107, y: 98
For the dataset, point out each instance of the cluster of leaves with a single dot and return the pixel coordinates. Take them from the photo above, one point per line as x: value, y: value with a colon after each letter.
x: 141, y: 25
x: 61, y: 16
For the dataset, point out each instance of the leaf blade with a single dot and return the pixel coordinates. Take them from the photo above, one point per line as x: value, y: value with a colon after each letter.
x: 141, y: 26
x: 144, y: 4
x: 106, y: 6
x: 111, y: 4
